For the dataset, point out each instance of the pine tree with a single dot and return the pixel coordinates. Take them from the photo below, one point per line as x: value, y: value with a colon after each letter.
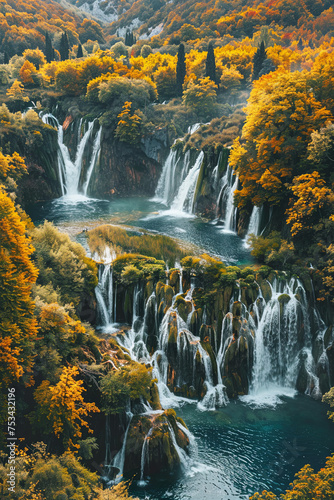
x: 5, y: 58
x: 64, y: 48
x: 180, y: 70
x: 80, y: 52
x: 129, y: 38
x: 210, y: 64
x: 48, y: 48
x: 259, y: 57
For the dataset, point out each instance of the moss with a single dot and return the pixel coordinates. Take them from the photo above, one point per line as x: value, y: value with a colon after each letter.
x: 172, y: 336
x: 284, y: 298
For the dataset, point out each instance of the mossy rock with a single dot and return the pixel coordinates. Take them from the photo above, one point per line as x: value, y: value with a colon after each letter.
x: 159, y: 290
x: 284, y: 298
x: 227, y: 294
x: 169, y: 294
x: 149, y: 289
x: 174, y: 277
x: 265, y: 288
x: 236, y: 308
x: 155, y: 399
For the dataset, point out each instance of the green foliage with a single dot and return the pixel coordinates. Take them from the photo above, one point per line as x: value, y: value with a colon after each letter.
x: 210, y: 64
x: 41, y: 475
x: 118, y: 386
x: 329, y: 399
x: 263, y: 246
x: 64, y: 264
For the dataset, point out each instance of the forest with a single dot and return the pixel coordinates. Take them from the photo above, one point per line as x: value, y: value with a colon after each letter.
x: 116, y: 331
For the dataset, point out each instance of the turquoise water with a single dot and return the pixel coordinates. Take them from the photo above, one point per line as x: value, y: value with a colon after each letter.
x: 241, y: 450
x: 145, y: 214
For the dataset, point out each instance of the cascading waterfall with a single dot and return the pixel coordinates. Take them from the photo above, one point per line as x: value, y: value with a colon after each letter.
x: 70, y: 173
x: 254, y: 223
x: 184, y: 200
x: 280, y: 330
x: 104, y: 292
x: 225, y: 199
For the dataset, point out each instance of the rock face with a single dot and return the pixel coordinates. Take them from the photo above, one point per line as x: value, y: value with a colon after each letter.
x: 155, y: 443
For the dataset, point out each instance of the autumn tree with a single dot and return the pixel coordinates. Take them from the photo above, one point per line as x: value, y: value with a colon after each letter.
x: 180, y: 69
x: 281, y: 115
x: 18, y: 326
x: 321, y: 152
x: 200, y: 96
x: 62, y: 409
x: 35, y: 56
x: 129, y: 125
x: 28, y: 74
x: 312, y: 208
x: 16, y: 92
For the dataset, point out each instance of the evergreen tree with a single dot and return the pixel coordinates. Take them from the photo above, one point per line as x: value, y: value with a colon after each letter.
x: 180, y: 70
x: 210, y: 64
x: 48, y: 48
x: 259, y: 57
x: 80, y: 52
x: 5, y: 58
x: 129, y: 38
x: 64, y: 48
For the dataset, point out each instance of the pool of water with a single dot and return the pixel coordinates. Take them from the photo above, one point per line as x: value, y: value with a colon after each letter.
x: 242, y: 449
x: 73, y: 215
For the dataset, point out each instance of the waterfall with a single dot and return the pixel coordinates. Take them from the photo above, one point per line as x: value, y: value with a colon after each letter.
x: 144, y: 456
x: 70, y: 173
x: 254, y: 223
x: 104, y: 292
x: 225, y: 200
x: 94, y: 157
x: 184, y: 200
x: 119, y: 458
x: 284, y: 336
x: 166, y: 184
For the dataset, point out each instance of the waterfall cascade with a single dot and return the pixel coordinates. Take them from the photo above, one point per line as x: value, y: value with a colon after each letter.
x: 275, y: 334
x: 254, y: 225
x: 74, y: 179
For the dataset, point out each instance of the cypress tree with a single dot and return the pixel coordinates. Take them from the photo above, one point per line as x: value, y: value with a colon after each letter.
x: 180, y: 70
x: 64, y: 48
x: 5, y: 58
x: 259, y: 57
x: 48, y: 48
x: 80, y: 52
x: 210, y: 64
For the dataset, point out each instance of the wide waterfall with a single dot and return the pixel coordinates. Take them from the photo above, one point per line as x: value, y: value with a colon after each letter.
x: 74, y: 178
x: 278, y: 336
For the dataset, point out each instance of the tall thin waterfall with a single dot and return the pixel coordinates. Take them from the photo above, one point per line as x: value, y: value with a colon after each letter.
x: 70, y: 172
x: 104, y: 292
x: 254, y: 223
x: 225, y: 200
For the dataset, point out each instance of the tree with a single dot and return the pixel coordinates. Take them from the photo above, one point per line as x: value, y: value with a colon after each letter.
x: 62, y: 409
x: 129, y: 125
x: 129, y: 38
x: 258, y: 60
x: 28, y: 74
x: 201, y: 96
x: 80, y: 52
x: 321, y: 151
x: 210, y: 64
x: 281, y: 115
x: 64, y: 48
x: 180, y: 70
x: 18, y: 326
x: 49, y: 52
x: 15, y: 92
x: 313, y: 205
x: 35, y: 56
